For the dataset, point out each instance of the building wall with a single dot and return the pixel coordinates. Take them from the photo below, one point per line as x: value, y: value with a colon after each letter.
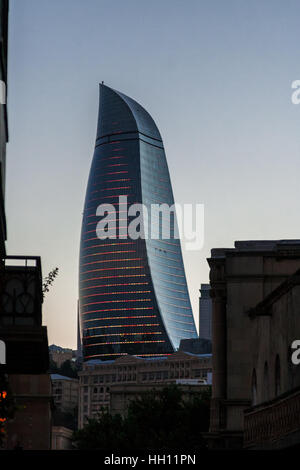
x: 240, y: 279
x: 30, y: 428
x: 65, y: 394
x: 276, y: 327
x: 97, y: 379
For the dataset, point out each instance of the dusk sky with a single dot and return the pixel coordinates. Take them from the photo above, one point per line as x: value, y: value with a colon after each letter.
x: 215, y: 76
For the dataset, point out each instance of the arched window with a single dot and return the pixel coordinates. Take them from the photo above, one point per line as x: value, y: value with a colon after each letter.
x: 266, y: 383
x: 277, y: 376
x: 254, y: 388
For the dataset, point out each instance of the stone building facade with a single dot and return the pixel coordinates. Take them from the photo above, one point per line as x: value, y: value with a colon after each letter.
x: 273, y: 421
x: 255, y: 320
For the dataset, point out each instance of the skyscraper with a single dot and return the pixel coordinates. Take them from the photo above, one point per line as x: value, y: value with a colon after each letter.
x: 3, y: 119
x: 133, y: 295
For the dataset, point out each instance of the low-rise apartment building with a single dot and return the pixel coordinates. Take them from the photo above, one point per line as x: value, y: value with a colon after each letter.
x: 98, y: 377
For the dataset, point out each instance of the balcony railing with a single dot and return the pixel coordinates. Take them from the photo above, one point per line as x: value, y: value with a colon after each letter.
x: 273, y: 421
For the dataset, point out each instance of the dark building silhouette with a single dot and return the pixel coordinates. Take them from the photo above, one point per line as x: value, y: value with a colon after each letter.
x: 256, y: 385
x: 205, y: 312
x: 133, y: 292
x: 25, y: 368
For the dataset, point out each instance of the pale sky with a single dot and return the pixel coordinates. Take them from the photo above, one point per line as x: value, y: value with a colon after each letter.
x: 216, y: 77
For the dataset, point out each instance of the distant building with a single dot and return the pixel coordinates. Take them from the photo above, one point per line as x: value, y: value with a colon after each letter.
x: 64, y: 393
x: 97, y: 378
x: 65, y: 411
x: 205, y: 312
x: 195, y: 346
x: 133, y: 293
x: 255, y: 386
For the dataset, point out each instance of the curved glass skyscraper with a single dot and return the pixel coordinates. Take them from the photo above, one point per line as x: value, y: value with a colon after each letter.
x: 133, y: 293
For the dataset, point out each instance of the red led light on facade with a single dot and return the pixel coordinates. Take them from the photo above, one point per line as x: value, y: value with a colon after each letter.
x: 124, y: 334
x: 95, y: 222
x: 113, y: 212
x: 113, y: 189
x: 106, y: 244
x: 114, y: 285
x: 104, y: 355
x: 117, y: 164
x: 113, y: 277
x: 113, y: 181
x: 117, y: 309
x: 116, y: 195
x: 122, y: 301
x: 123, y: 342
x: 115, y: 157
x: 118, y: 318
x: 122, y: 326
x: 112, y: 261
x: 116, y: 172
x: 115, y: 293
x: 113, y: 269
x: 110, y: 252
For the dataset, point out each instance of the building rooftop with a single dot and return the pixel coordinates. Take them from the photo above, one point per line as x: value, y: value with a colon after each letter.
x: 60, y: 377
x: 256, y: 245
x: 95, y: 362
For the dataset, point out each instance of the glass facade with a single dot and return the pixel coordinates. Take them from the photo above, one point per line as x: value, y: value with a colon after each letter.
x: 133, y: 295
